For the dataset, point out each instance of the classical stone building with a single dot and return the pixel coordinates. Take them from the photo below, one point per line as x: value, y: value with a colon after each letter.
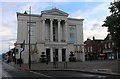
x: 52, y: 32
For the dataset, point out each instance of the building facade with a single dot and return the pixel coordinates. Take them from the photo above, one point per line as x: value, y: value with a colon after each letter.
x: 52, y: 32
x: 109, y: 48
x: 100, y: 49
x: 93, y: 48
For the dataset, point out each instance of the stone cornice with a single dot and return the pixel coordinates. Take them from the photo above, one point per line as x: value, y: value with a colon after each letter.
x: 22, y: 14
x: 75, y: 19
x: 54, y: 12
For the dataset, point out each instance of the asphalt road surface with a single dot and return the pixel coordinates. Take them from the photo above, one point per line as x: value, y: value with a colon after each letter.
x: 76, y: 75
x: 9, y: 72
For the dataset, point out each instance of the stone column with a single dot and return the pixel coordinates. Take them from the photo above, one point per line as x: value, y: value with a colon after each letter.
x: 51, y: 55
x: 59, y: 54
x: 67, y: 54
x: 51, y: 30
x: 83, y: 53
x: 43, y: 30
x: 66, y: 32
x: 59, y: 39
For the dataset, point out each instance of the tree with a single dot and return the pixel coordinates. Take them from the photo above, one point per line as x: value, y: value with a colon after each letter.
x: 113, y: 23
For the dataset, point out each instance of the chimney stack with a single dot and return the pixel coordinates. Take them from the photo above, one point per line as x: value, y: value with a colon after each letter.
x: 93, y: 38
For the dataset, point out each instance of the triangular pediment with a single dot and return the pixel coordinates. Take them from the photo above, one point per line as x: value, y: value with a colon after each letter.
x: 55, y: 12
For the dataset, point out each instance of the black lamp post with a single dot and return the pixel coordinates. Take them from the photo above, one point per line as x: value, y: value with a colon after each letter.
x: 29, y: 38
x: 29, y: 31
x: 22, y: 45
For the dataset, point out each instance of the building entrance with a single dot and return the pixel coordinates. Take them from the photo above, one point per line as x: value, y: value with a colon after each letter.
x: 63, y: 54
x: 55, y: 55
x: 48, y: 54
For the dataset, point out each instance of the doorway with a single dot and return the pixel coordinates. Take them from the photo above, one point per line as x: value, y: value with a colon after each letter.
x: 48, y: 54
x: 55, y: 54
x: 63, y: 54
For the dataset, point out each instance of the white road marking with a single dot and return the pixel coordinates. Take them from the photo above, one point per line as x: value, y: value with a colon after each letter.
x: 42, y: 75
x: 4, y: 75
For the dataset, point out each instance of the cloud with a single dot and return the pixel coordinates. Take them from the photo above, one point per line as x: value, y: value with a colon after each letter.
x: 36, y: 7
x: 8, y: 31
x: 92, y: 27
x: 100, y: 10
x: 5, y: 32
x: 93, y: 20
x: 99, y: 33
x: 7, y: 35
x: 95, y: 26
x: 78, y: 14
x: 57, y: 0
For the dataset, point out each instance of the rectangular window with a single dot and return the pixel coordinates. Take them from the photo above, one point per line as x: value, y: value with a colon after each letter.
x: 91, y: 48
x: 72, y: 34
x: 47, y: 31
x: 105, y: 46
x: 85, y: 50
x: 88, y: 49
x: 32, y: 26
x: 109, y: 45
x: 48, y: 54
x: 63, y: 54
x: 54, y: 34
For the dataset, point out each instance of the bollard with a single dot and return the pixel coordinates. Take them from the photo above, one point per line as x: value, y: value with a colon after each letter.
x: 65, y: 64
x: 56, y: 64
x: 53, y: 64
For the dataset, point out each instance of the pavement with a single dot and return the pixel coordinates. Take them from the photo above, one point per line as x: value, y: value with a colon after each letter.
x: 105, y: 67
x: 10, y: 72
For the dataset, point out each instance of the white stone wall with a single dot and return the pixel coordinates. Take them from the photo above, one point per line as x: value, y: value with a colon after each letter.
x: 78, y: 28
x: 41, y: 48
x: 22, y: 31
x: 69, y: 49
x: 41, y: 34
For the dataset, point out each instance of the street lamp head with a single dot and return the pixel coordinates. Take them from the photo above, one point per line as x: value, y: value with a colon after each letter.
x: 25, y: 12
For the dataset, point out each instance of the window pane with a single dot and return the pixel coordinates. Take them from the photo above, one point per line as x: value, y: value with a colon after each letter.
x: 72, y: 36
x: 32, y: 32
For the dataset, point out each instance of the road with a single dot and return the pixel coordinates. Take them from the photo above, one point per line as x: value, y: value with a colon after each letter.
x: 9, y: 72
x: 76, y: 75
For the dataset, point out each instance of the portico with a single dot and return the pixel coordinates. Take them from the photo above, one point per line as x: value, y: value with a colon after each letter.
x: 54, y: 30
